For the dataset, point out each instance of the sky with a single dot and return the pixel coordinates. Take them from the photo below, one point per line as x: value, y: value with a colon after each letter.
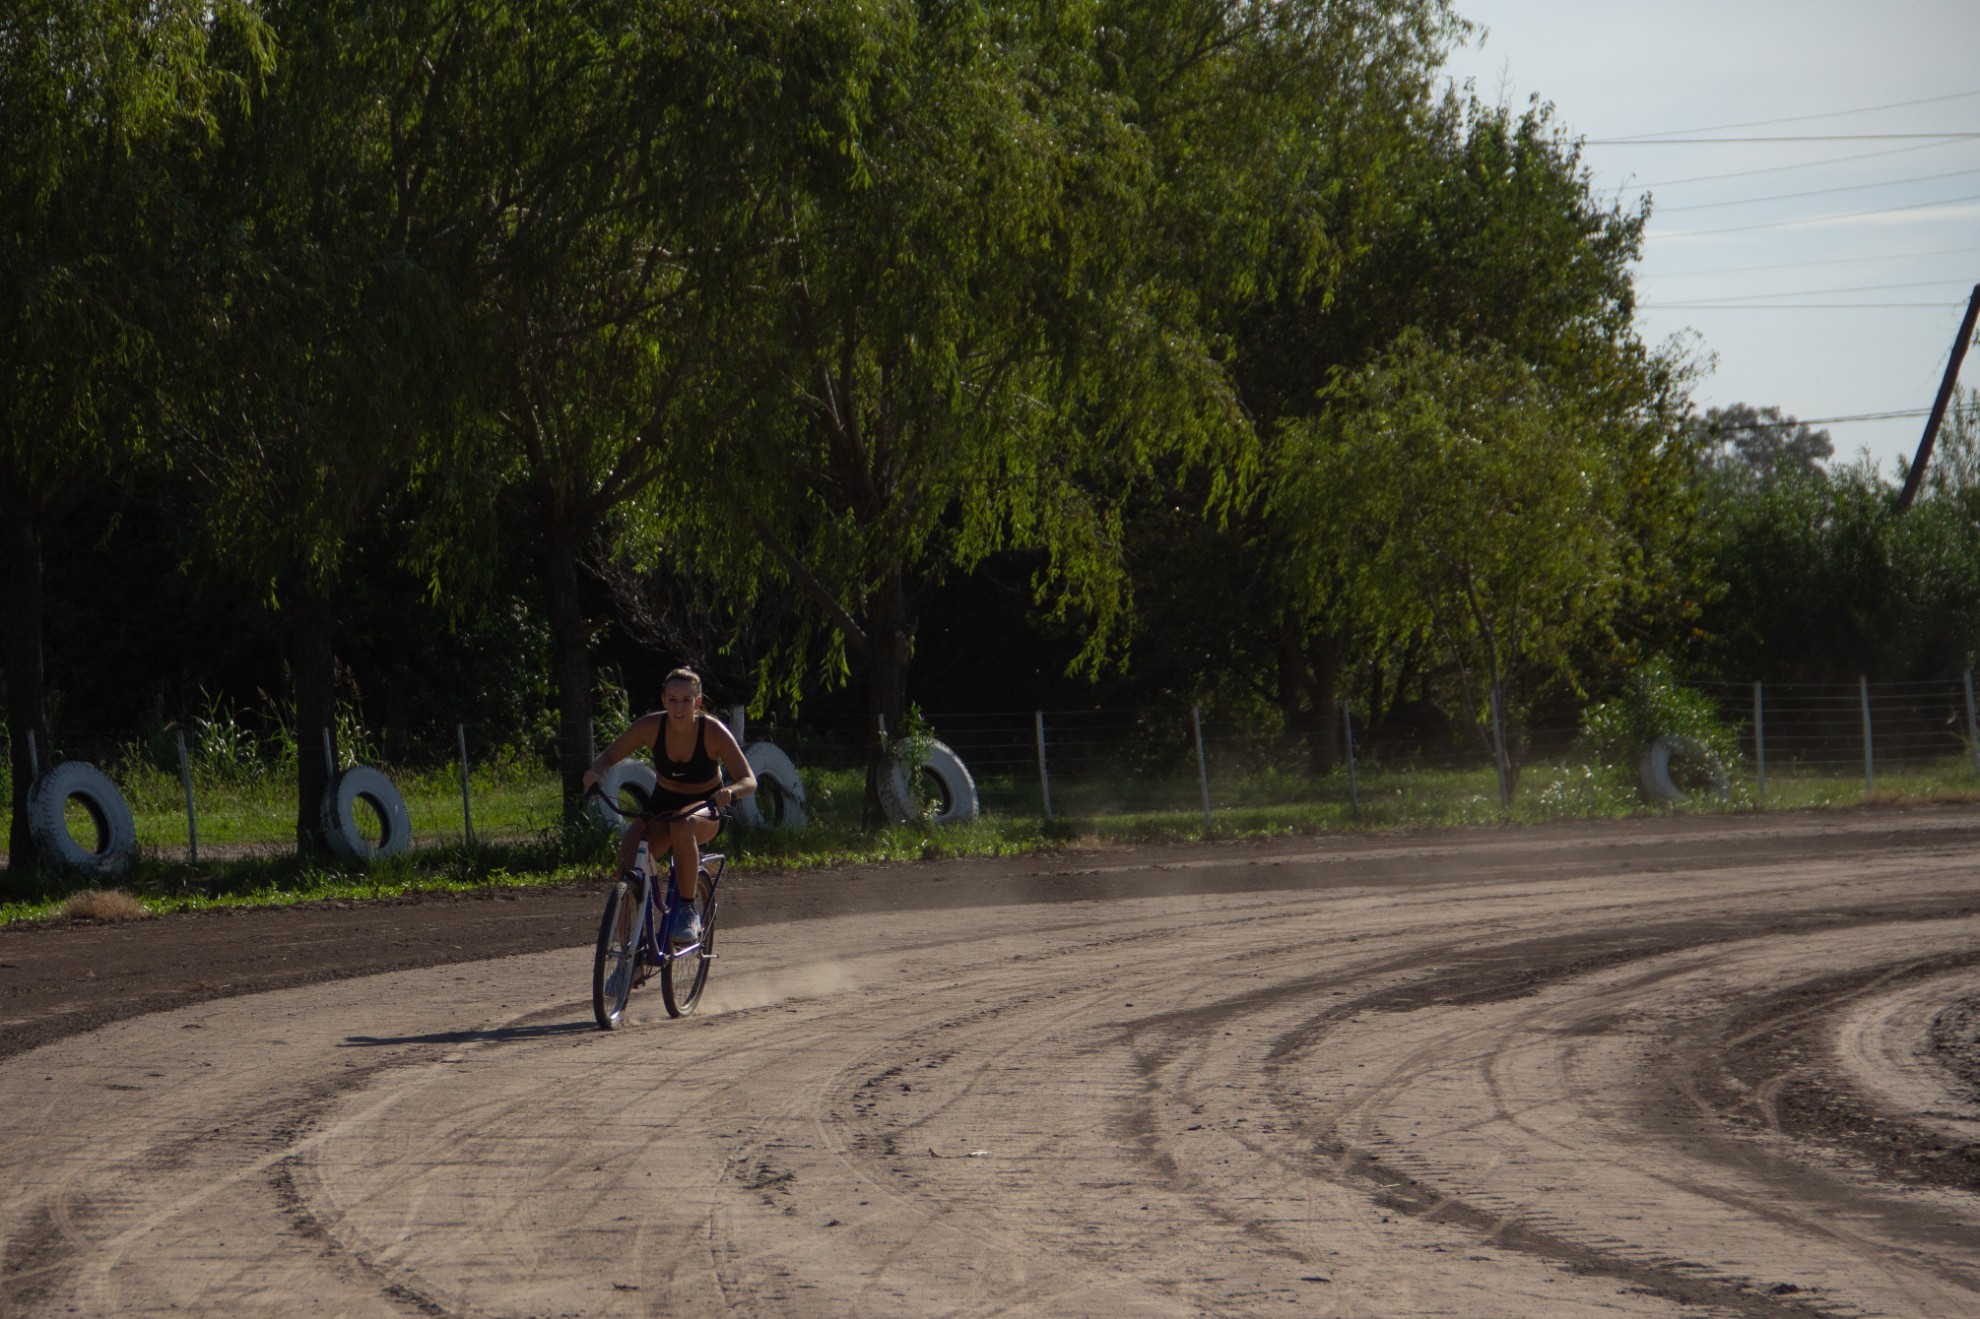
x: 1835, y: 303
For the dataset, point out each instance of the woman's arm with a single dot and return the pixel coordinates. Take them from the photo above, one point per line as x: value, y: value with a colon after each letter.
x: 644, y: 729
x: 742, y: 779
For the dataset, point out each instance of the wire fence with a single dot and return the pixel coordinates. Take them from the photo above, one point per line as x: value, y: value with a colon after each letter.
x: 1861, y: 727
x: 223, y: 783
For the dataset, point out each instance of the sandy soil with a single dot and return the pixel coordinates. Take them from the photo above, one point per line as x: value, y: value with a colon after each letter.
x: 1718, y: 1067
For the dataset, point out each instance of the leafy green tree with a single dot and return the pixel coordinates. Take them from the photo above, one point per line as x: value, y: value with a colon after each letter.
x: 975, y: 353
x: 1469, y: 497
x: 628, y: 151
x: 1821, y: 580
x: 98, y: 97
x: 336, y: 246
x: 1486, y: 235
x: 1281, y: 137
x: 1758, y: 444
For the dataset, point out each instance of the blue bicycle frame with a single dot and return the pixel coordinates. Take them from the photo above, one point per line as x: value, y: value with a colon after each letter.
x: 631, y: 945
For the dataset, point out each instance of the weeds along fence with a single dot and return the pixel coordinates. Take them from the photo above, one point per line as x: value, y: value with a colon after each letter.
x: 1892, y: 731
x: 1163, y: 771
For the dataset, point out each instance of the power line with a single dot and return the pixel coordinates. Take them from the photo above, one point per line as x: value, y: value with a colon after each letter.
x: 1850, y: 288
x: 1827, y: 114
x: 1799, y: 265
x: 1820, y: 192
x: 1817, y: 219
x: 1723, y: 141
x: 1794, y: 306
x: 1806, y: 164
x: 1899, y: 414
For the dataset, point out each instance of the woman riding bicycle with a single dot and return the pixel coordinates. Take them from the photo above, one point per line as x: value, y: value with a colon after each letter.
x: 691, y: 749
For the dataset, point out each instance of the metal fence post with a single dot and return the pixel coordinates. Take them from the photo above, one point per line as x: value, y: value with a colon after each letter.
x: 34, y: 759
x: 1044, y: 778
x: 1869, y: 756
x: 192, y: 820
x: 1354, y: 788
x: 1499, y: 753
x: 329, y: 757
x: 1972, y: 733
x: 736, y: 724
x: 467, y: 803
x: 1202, y: 765
x: 1759, y: 742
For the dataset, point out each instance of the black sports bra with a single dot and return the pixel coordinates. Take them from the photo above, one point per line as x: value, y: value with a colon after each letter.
x: 697, y: 768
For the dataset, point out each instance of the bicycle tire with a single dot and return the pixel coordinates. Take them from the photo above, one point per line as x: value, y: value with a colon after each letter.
x: 616, y: 960
x: 682, y: 978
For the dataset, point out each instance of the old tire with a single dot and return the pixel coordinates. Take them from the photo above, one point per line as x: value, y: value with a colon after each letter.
x: 942, y: 780
x: 1654, y: 770
x: 630, y: 784
x: 779, y: 801
x: 85, y: 784
x: 357, y: 788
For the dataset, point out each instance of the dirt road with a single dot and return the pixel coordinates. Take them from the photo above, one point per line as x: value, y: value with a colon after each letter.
x: 1689, y: 1067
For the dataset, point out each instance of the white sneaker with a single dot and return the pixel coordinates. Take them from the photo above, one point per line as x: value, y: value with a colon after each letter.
x: 686, y: 925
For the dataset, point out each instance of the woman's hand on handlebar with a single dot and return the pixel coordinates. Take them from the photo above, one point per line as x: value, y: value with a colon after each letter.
x: 715, y: 811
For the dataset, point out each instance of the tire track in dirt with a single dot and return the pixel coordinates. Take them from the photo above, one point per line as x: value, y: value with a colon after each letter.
x: 1536, y: 1091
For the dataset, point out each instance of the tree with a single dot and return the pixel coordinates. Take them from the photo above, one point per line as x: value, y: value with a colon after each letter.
x: 1468, y: 497
x: 1822, y: 581
x: 334, y: 249
x: 1486, y: 237
x: 627, y: 152
x: 97, y: 96
x: 1282, y: 137
x: 976, y: 354
x: 1758, y: 445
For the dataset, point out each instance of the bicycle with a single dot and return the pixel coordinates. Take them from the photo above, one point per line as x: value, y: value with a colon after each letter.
x: 630, y: 948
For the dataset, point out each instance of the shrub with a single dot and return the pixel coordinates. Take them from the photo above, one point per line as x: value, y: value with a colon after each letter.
x: 1653, y: 704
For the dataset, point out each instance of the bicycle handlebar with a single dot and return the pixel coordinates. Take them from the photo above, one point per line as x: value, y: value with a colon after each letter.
x: 721, y: 813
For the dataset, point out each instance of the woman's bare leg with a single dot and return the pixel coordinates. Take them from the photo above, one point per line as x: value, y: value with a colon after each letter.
x: 629, y: 844
x: 686, y: 837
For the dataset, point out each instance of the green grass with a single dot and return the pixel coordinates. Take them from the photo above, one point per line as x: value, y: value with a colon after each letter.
x: 259, y: 810
x: 249, y: 822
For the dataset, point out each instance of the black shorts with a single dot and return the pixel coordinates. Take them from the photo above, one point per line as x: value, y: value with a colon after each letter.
x: 664, y: 800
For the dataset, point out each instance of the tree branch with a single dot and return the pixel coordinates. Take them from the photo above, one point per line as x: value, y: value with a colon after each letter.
x: 813, y: 587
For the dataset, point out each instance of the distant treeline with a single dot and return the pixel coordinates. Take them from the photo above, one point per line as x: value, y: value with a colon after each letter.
x: 427, y: 354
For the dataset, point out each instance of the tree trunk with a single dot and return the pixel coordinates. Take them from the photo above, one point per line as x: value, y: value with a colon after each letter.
x: 398, y: 717
x: 26, y: 710
x: 886, y: 683
x: 1324, y: 683
x: 1292, y: 682
x: 312, y: 634
x: 570, y: 668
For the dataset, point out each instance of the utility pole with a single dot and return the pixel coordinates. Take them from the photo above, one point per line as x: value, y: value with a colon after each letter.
x: 1916, y: 477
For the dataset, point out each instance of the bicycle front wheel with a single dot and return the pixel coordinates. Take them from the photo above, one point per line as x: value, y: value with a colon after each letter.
x: 616, y: 962
x: 682, y: 977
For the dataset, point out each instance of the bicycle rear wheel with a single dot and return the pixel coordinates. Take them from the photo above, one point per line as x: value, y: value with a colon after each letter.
x: 616, y: 961
x: 682, y: 977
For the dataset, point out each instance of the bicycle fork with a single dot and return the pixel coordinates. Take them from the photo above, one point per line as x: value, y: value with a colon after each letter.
x: 660, y: 904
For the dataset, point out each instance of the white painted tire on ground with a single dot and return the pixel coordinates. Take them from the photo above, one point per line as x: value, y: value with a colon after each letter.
x: 361, y: 785
x: 632, y: 777
x: 75, y: 780
x: 955, y: 790
x: 1654, y: 770
x: 779, y: 801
